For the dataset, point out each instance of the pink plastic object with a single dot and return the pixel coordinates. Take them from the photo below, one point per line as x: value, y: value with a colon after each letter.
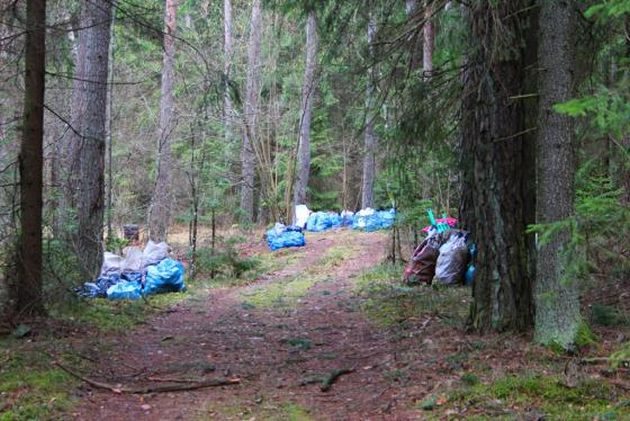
x: 452, y: 222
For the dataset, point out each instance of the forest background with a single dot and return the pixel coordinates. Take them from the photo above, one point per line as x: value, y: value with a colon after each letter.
x: 512, y: 115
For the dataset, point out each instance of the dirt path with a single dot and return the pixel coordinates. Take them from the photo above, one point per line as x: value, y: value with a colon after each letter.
x: 276, y: 340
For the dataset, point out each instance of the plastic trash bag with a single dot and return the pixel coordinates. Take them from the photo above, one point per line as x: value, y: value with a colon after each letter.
x: 452, y: 260
x: 346, y: 218
x: 318, y: 222
x: 281, y: 237
x: 133, y: 259
x: 360, y: 220
x: 166, y: 276
x: 154, y: 253
x: 387, y: 218
x: 111, y: 263
x: 301, y: 215
x: 125, y: 290
x: 421, y: 268
x: 98, y: 288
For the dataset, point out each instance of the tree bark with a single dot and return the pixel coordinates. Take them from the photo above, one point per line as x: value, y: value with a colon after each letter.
x: 557, y: 300
x: 370, y: 140
x: 415, y: 61
x: 252, y: 91
x: 228, y: 51
x: 428, y: 34
x: 495, y: 157
x: 308, y: 92
x: 161, y: 202
x: 29, y: 288
x: 84, y: 147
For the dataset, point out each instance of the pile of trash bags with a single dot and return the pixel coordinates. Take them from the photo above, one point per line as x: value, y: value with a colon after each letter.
x: 138, y: 273
x: 446, y: 256
x: 281, y: 236
x: 365, y: 220
x: 370, y: 220
x: 322, y: 221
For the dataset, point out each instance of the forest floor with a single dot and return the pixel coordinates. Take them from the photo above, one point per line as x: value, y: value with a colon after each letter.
x: 331, y: 310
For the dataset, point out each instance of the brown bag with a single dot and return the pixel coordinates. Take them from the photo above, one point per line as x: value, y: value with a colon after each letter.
x: 422, y: 265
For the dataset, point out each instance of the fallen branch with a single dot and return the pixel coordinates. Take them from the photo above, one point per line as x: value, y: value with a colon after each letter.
x: 173, y: 380
x: 332, y: 378
x: 151, y: 388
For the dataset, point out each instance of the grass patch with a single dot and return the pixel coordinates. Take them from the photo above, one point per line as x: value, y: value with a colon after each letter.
x: 515, y: 394
x: 286, y: 293
x: 279, y: 294
x: 30, y: 389
x: 287, y: 411
x: 388, y: 302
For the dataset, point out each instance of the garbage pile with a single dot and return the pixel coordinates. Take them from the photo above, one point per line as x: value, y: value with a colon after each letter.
x: 365, y: 220
x: 139, y: 273
x: 322, y: 221
x: 370, y: 220
x: 281, y: 236
x: 446, y: 256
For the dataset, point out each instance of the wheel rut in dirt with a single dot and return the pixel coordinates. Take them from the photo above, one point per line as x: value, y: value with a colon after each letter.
x: 280, y: 336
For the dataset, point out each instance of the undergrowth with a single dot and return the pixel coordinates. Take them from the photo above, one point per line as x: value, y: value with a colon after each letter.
x: 388, y: 302
x: 515, y: 395
x: 31, y: 388
x: 286, y: 293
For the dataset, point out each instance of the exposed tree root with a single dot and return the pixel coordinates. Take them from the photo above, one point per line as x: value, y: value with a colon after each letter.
x: 150, y: 388
x: 332, y: 378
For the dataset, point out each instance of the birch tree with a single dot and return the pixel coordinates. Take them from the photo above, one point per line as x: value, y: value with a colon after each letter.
x: 250, y: 108
x: 370, y: 143
x: 308, y: 92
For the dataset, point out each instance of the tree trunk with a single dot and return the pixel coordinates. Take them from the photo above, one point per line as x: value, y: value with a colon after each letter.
x: 29, y: 288
x: 308, y: 92
x: 496, y: 189
x: 428, y: 35
x: 161, y: 202
x: 557, y: 301
x: 84, y: 148
x: 227, y: 65
x: 109, y: 118
x: 415, y: 61
x: 370, y: 139
x: 248, y: 156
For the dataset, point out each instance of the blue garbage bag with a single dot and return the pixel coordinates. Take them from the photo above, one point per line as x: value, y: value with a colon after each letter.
x: 311, y: 222
x: 281, y: 237
x: 132, y: 276
x: 125, y: 290
x: 166, y: 276
x: 335, y: 220
x: 373, y: 222
x: 387, y: 218
x: 98, y: 288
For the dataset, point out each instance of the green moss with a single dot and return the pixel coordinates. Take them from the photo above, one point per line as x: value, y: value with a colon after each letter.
x: 31, y: 390
x: 388, y: 302
x: 589, y: 400
x: 280, y: 294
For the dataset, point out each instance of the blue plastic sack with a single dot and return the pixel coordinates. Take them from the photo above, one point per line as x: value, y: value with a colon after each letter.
x: 322, y: 221
x: 374, y: 221
x: 277, y: 239
x: 166, y: 276
x: 125, y: 290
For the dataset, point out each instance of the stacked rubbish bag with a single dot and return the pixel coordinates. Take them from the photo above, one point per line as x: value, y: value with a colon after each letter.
x: 365, y: 220
x: 446, y: 256
x: 281, y: 236
x: 370, y: 220
x: 138, y: 273
x: 322, y: 221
